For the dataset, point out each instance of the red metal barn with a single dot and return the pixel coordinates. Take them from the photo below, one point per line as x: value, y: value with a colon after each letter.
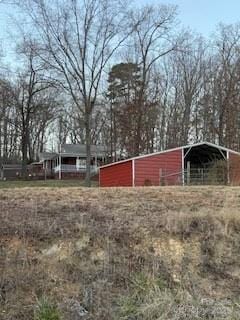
x: 192, y: 164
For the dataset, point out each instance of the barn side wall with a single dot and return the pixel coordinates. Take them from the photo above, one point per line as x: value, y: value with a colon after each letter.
x: 117, y: 175
x: 161, y: 169
x: 234, y: 169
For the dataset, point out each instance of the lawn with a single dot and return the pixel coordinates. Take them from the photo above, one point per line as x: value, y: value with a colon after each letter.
x: 43, y: 183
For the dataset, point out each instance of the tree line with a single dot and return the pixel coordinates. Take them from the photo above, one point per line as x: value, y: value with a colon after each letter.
x: 105, y: 72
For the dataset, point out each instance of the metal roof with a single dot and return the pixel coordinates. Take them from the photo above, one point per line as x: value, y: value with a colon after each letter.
x: 80, y: 149
x: 174, y: 149
x: 47, y: 156
x: 74, y: 150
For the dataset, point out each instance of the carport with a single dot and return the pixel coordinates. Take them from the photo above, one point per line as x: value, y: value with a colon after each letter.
x: 205, y: 163
x: 199, y: 163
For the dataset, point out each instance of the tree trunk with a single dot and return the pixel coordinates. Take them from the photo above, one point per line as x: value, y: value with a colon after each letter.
x: 88, y: 149
x: 24, y: 155
x: 111, y: 130
x: 25, y: 144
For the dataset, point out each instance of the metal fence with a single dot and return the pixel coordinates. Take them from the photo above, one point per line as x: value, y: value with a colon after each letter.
x: 194, y: 176
x: 205, y: 176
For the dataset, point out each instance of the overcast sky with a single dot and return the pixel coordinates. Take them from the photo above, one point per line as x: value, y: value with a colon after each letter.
x: 201, y: 16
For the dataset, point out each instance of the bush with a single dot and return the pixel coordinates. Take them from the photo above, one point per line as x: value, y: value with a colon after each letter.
x: 46, y: 310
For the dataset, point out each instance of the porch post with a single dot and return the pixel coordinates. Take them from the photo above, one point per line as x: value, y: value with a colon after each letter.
x: 45, y: 171
x: 60, y: 165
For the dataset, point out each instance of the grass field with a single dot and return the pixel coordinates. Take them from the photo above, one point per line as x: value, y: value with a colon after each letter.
x: 43, y: 183
x: 169, y: 253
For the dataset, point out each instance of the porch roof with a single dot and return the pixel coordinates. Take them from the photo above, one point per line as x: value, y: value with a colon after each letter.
x: 74, y: 150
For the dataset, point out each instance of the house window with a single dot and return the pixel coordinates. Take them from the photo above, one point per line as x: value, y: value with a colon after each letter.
x: 80, y: 163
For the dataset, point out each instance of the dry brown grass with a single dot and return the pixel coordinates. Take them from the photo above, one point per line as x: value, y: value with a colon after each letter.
x: 86, y: 244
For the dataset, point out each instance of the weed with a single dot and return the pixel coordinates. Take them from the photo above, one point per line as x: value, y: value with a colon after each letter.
x: 46, y: 310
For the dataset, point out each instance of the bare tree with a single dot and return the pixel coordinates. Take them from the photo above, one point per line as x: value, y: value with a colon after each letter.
x: 30, y: 85
x: 154, y: 38
x: 8, y: 125
x: 78, y: 40
x: 190, y: 66
x: 226, y: 84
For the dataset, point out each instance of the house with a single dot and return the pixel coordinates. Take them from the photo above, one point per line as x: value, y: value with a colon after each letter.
x: 199, y: 163
x: 70, y: 161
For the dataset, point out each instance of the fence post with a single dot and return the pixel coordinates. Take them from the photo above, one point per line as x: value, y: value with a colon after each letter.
x: 188, y: 172
x: 160, y: 176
